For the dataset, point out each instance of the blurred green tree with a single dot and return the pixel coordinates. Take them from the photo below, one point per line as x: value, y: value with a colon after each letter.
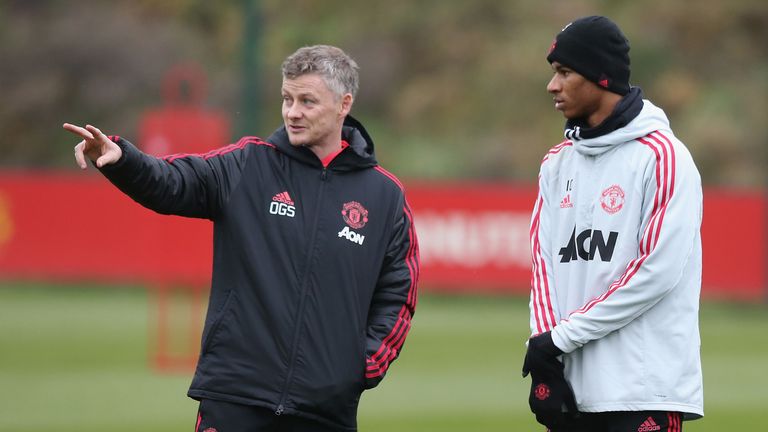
x: 449, y: 89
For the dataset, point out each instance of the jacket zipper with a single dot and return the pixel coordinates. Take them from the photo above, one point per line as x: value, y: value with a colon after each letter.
x: 304, y: 287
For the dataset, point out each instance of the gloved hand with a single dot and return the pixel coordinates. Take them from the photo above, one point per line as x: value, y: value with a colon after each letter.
x: 551, y: 397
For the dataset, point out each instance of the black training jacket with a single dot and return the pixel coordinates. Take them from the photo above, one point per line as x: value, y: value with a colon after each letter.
x: 314, y: 269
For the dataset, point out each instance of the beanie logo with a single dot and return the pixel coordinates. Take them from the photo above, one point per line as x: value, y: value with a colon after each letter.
x: 552, y: 47
x: 603, y: 81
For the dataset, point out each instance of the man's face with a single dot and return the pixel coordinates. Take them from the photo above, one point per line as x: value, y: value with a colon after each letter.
x: 573, y: 94
x: 312, y: 113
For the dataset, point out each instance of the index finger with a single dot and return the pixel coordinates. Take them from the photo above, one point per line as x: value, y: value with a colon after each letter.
x: 77, y: 130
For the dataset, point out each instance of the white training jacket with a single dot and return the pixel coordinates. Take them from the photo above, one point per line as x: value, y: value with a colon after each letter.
x: 616, y: 246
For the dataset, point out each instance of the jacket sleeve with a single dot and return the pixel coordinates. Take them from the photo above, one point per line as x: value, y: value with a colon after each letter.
x: 541, y: 305
x: 668, y: 235
x: 184, y: 185
x: 394, y: 300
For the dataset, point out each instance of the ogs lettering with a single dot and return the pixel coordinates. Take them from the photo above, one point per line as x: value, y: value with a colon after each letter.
x: 282, y: 209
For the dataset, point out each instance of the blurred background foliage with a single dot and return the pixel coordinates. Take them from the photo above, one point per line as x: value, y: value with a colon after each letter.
x: 449, y: 88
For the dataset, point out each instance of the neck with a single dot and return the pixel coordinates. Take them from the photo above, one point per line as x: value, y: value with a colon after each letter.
x: 621, y: 113
x: 607, y: 103
x: 324, y: 150
x: 327, y: 146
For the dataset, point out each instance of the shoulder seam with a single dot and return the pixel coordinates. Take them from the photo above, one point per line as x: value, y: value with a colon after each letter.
x: 556, y: 149
x: 240, y: 144
x: 390, y: 176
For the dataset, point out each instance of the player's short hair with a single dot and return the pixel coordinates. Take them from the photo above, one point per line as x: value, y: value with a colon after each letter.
x: 338, y: 70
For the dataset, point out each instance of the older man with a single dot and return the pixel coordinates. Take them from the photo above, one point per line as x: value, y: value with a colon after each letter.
x: 315, y: 255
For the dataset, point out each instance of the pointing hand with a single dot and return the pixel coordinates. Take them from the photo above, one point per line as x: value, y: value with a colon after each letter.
x: 95, y: 146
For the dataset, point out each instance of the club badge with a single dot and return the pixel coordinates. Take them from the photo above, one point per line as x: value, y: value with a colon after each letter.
x: 612, y: 199
x: 355, y: 215
x: 541, y: 391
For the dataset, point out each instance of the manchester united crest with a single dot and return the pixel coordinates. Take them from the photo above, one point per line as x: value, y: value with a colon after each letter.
x: 541, y: 391
x: 612, y: 199
x: 355, y: 215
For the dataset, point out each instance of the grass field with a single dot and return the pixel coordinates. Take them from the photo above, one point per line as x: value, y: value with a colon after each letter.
x: 75, y: 359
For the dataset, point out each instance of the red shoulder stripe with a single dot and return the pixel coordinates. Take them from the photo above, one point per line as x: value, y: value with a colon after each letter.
x: 378, y: 363
x: 220, y: 151
x: 390, y: 176
x: 556, y: 149
x: 665, y: 178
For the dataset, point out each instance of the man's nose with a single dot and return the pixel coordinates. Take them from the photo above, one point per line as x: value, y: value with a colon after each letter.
x: 294, y: 111
x: 554, y: 85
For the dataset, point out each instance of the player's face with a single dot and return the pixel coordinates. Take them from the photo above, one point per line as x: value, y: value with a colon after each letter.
x: 312, y: 113
x: 575, y: 96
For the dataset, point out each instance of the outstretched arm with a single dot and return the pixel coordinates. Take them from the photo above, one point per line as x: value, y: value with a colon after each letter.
x: 94, y: 146
x: 186, y: 185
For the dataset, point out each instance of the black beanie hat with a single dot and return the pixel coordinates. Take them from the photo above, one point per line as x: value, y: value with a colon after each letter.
x: 595, y: 47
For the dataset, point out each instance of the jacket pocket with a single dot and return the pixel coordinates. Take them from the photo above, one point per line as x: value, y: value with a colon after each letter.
x: 216, y: 323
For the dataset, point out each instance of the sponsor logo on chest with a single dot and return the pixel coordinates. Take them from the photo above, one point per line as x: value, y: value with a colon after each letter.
x: 589, y: 245
x: 355, y: 216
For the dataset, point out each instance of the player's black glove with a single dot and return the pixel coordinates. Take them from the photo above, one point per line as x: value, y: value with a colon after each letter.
x: 551, y: 397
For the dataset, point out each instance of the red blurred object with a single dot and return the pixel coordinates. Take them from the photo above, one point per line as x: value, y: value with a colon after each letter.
x: 182, y: 125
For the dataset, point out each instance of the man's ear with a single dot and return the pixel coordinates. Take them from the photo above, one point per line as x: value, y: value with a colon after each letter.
x: 346, y: 104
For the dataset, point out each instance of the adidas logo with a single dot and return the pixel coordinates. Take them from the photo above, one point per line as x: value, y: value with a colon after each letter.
x: 603, y: 81
x: 282, y: 205
x: 283, y: 197
x: 566, y: 202
x: 649, y: 426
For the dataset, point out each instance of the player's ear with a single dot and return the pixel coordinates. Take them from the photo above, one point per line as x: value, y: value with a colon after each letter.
x: 346, y: 104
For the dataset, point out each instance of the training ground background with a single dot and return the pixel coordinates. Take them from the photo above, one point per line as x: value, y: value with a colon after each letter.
x: 75, y: 358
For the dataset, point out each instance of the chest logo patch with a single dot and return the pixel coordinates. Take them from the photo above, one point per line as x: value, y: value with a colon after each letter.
x: 354, y: 214
x: 282, y: 205
x: 566, y: 202
x: 612, y: 199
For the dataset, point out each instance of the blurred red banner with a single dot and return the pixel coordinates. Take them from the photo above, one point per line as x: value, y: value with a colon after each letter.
x: 473, y: 236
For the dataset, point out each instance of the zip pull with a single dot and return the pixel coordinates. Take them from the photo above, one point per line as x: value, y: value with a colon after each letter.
x: 324, y: 174
x: 279, y: 410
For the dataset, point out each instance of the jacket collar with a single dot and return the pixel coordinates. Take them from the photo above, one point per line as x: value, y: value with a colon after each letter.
x: 625, y: 111
x: 358, y: 155
x: 650, y: 118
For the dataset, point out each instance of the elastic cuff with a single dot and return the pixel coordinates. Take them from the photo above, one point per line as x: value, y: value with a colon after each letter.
x: 561, y: 342
x: 126, y: 147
